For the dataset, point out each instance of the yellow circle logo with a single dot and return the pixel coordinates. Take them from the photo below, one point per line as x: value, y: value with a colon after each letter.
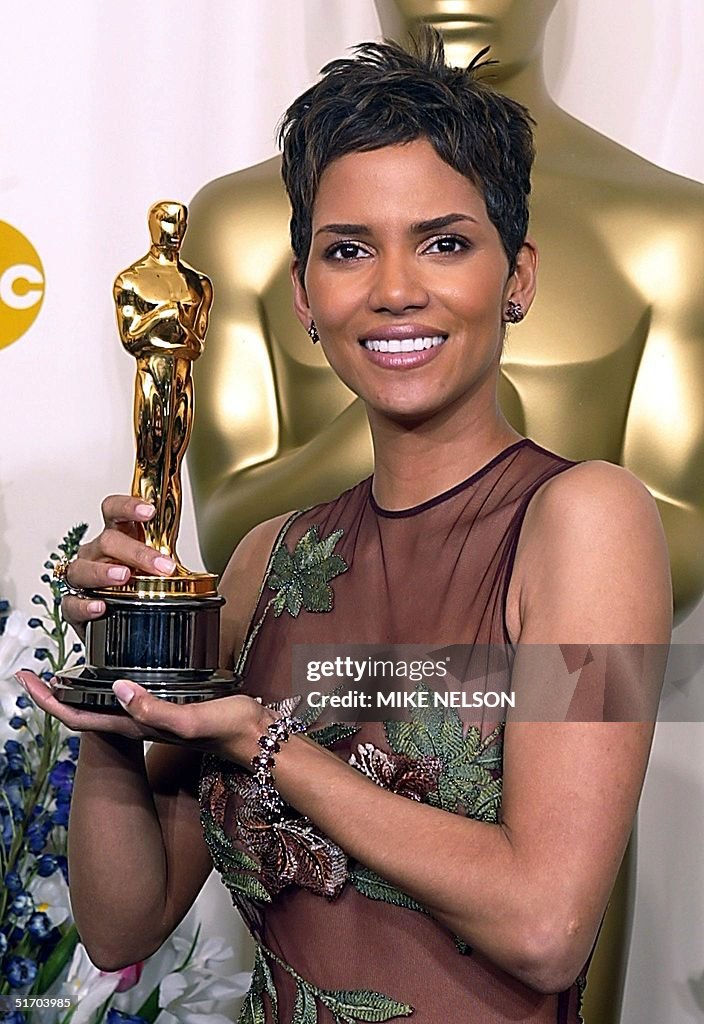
x: 21, y: 284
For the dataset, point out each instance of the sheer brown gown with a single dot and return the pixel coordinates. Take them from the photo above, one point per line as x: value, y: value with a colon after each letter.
x: 335, y: 942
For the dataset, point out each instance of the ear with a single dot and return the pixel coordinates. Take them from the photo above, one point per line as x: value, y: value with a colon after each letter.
x: 300, y: 297
x: 522, y: 283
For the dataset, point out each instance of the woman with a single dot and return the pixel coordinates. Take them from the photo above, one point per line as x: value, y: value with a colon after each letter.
x: 443, y: 868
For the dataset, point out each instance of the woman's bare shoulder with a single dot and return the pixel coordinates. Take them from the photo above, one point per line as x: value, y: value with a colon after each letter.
x: 593, y: 556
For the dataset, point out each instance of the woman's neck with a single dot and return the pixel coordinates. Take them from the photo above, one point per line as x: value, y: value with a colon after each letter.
x: 413, y: 463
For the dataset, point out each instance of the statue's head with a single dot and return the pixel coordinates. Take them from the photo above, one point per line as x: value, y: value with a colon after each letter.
x: 167, y: 224
x: 386, y: 96
x: 512, y: 28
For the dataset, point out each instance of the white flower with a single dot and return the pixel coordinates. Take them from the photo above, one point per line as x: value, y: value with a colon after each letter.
x: 87, y: 987
x: 196, y: 994
x: 51, y: 895
x: 17, y: 646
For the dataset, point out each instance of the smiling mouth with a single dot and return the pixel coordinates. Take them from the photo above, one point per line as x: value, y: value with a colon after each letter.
x: 403, y: 344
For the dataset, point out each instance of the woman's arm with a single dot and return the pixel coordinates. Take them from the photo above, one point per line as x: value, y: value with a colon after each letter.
x: 531, y: 891
x: 137, y: 857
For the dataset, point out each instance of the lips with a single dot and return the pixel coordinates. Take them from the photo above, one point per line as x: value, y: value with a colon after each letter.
x: 402, y: 332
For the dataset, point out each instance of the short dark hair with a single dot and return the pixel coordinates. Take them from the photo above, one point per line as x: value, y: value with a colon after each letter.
x: 385, y: 95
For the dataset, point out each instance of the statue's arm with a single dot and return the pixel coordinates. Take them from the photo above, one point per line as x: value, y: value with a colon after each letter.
x: 664, y: 437
x: 203, y: 315
x: 135, y: 325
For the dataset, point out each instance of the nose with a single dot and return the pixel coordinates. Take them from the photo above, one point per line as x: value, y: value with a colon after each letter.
x: 397, y: 285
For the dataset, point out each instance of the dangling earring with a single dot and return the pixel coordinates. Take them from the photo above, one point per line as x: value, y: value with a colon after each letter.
x: 514, y: 312
x: 313, y: 332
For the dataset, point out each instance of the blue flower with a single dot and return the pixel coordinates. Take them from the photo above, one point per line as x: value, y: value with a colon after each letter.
x: 73, y: 743
x: 34, y: 623
x: 60, y: 816
x: 39, y: 926
x: 62, y: 774
x: 13, y: 747
x: 39, y: 739
x: 13, y: 882
x: 62, y: 861
x: 36, y: 835
x: 22, y: 905
x: 20, y: 971
x: 15, y: 1017
x: 41, y: 653
x: 17, y: 722
x: 47, y: 864
x: 23, y: 701
x: 120, y: 1017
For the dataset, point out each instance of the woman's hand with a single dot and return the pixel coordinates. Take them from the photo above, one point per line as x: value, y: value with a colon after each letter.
x: 110, y: 558
x: 228, y: 726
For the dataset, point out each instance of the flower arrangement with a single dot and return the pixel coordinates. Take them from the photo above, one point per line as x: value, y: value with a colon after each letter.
x: 45, y: 972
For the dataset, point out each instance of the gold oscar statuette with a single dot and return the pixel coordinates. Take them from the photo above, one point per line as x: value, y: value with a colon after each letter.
x: 161, y: 631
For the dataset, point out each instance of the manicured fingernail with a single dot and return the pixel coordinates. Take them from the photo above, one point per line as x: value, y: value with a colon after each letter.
x: 95, y: 607
x: 20, y: 679
x: 123, y: 691
x: 146, y: 511
x: 118, y: 572
x: 162, y: 564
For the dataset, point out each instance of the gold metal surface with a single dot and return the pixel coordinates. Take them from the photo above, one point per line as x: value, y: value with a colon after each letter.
x: 609, y: 364
x: 147, y: 588
x: 162, y: 307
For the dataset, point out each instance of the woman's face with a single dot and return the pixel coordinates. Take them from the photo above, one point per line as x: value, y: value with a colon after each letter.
x: 403, y: 255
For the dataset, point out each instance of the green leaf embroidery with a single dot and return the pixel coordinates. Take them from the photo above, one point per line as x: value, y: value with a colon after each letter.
x: 468, y: 760
x: 247, y: 885
x: 347, y: 1007
x: 374, y: 887
x: 263, y: 981
x: 233, y: 864
x: 328, y: 735
x: 252, y: 1011
x: 363, y: 1005
x: 302, y: 577
x: 305, y: 1010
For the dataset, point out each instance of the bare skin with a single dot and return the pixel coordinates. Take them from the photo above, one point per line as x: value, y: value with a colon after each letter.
x: 556, y: 852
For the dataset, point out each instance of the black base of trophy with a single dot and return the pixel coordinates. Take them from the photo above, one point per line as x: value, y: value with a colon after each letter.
x: 169, y: 645
x: 85, y: 687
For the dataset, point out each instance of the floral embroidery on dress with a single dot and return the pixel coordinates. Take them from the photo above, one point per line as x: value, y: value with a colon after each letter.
x: 301, y: 579
x: 470, y: 779
x: 414, y: 778
x: 348, y: 1006
x: 274, y: 853
x: 432, y: 760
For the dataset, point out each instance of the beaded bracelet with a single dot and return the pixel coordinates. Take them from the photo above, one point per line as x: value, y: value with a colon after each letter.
x: 262, y: 765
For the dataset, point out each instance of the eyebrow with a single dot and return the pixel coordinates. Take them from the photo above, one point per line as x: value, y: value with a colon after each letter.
x: 419, y: 228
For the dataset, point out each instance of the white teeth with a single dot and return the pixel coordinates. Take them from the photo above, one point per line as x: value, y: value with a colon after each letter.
x: 407, y: 345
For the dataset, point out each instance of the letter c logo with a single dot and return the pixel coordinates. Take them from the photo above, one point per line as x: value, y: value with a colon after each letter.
x: 21, y: 284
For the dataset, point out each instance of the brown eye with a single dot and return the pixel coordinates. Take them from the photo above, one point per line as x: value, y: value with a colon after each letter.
x: 447, y: 245
x: 346, y: 251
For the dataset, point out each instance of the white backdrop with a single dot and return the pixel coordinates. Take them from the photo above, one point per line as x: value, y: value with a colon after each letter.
x: 107, y: 107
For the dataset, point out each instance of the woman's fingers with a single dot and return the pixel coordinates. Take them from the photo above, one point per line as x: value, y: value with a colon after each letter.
x: 124, y: 508
x: 77, y: 718
x: 107, y: 561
